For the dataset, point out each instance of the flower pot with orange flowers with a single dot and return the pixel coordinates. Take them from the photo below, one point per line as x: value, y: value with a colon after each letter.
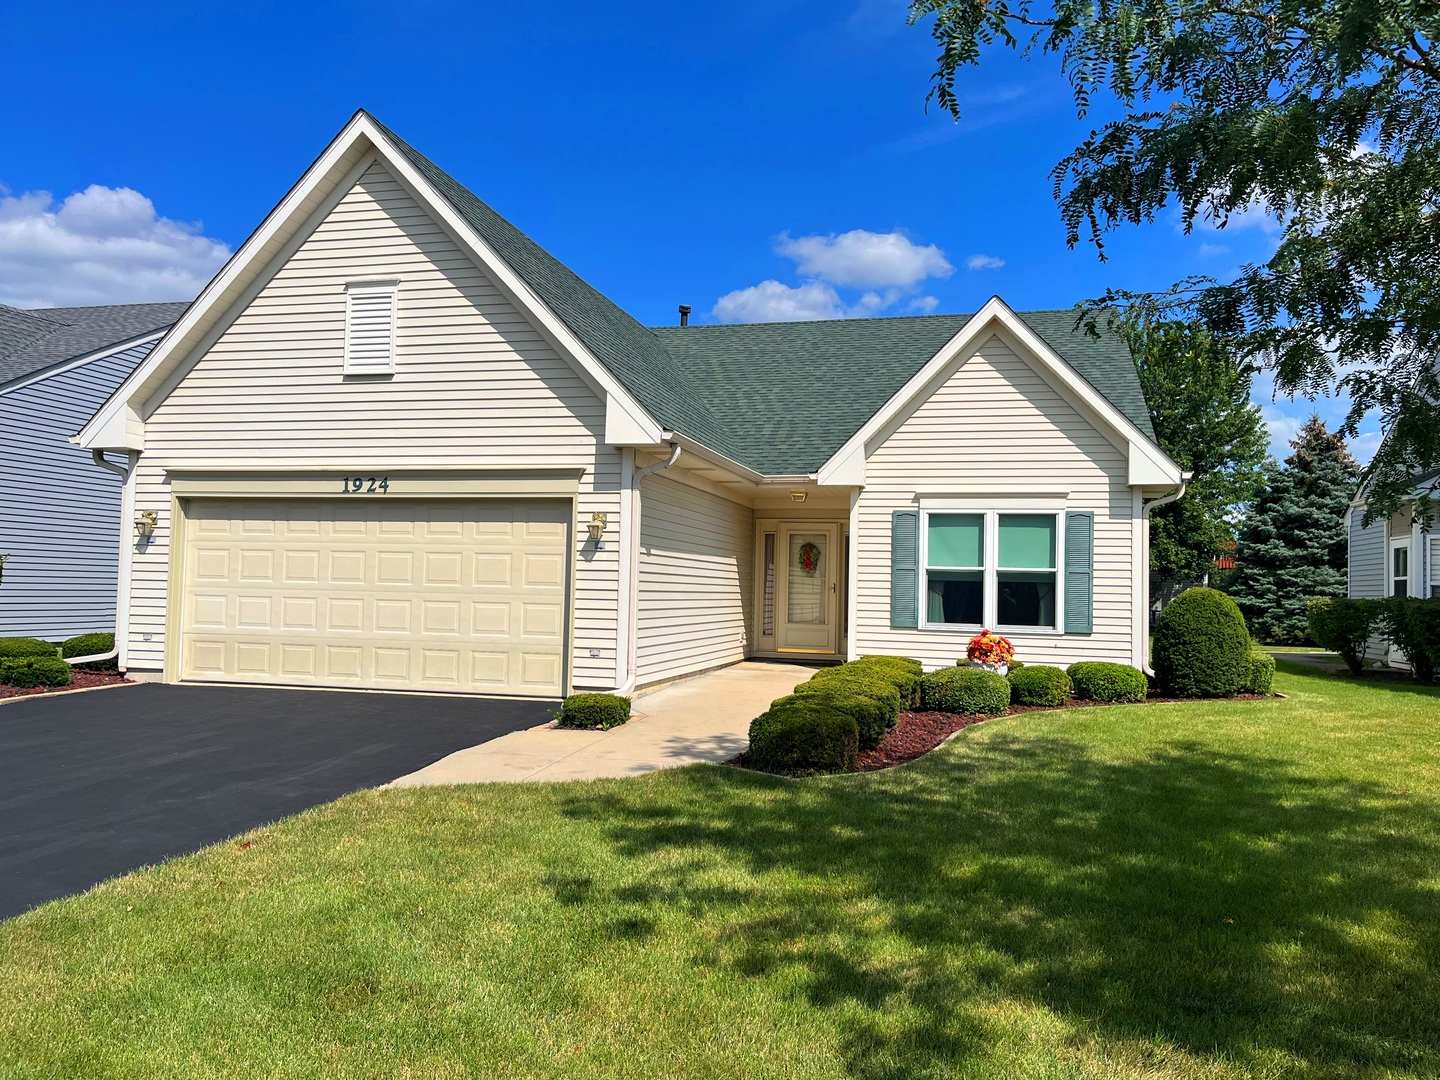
x: 990, y: 651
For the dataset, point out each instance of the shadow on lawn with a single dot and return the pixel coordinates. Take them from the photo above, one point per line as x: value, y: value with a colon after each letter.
x: 1208, y: 901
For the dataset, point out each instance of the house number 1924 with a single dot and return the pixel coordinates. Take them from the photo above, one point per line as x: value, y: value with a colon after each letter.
x: 365, y: 485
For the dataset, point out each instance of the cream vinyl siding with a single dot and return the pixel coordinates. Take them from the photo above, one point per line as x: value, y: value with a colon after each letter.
x: 696, y: 564
x: 997, y: 423
x: 475, y: 387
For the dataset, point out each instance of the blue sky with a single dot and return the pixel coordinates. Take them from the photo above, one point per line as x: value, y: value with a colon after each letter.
x: 754, y: 159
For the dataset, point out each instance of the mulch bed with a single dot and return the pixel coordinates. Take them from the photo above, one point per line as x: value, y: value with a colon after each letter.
x: 81, y: 680
x: 915, y: 734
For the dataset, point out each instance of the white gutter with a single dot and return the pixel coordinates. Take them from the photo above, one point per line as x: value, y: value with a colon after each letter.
x: 122, y: 592
x: 631, y: 602
x: 1164, y: 500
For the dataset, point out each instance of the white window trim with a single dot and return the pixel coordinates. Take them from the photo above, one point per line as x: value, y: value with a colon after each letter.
x: 373, y: 287
x: 1395, y: 544
x: 991, y: 570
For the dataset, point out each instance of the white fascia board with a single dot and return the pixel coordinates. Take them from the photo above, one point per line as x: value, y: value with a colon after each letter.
x: 79, y: 361
x: 997, y: 313
x: 266, y: 242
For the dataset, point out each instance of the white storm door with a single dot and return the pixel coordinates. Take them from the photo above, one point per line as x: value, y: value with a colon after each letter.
x: 807, y: 593
x: 1398, y: 583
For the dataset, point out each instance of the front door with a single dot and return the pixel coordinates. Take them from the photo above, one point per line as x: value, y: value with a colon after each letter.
x: 807, y: 593
x: 1399, y: 584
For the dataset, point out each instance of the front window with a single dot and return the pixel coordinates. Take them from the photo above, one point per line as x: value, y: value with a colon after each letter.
x: 992, y: 569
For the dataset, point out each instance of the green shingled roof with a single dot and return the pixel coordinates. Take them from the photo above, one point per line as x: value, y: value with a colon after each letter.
x: 779, y: 398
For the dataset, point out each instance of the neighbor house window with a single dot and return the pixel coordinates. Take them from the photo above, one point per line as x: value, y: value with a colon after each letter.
x: 370, y: 327
x: 992, y: 569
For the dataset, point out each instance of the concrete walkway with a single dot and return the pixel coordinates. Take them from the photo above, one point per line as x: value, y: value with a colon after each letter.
x: 706, y: 718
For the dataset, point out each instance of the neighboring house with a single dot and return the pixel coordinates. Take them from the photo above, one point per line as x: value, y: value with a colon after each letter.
x: 396, y: 444
x: 1394, y: 557
x: 58, y: 512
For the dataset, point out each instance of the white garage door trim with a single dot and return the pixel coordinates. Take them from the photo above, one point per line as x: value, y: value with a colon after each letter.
x: 322, y: 486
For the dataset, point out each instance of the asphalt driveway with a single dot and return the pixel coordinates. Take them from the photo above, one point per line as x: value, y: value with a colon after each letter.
x: 94, y: 785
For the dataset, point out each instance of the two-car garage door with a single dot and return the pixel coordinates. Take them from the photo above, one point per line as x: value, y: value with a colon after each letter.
x: 457, y: 595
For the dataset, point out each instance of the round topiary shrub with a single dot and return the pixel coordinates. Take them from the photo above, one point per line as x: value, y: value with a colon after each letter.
x: 26, y: 646
x: 968, y: 690
x: 1201, y: 648
x: 803, y: 738
x: 1097, y: 680
x: 1259, y: 673
x: 872, y: 718
x: 1040, y: 685
x: 28, y: 672
x: 594, y: 711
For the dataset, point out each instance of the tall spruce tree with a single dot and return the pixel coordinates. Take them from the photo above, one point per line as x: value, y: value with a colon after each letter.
x: 1294, y: 542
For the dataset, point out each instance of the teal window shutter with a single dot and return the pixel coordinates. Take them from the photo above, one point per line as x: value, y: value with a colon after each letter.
x: 1080, y: 572
x: 905, y: 569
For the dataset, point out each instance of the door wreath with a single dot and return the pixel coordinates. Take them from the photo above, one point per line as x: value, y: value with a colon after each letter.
x: 809, y: 557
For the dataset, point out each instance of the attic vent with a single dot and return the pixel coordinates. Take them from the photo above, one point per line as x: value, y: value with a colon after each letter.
x: 370, y: 327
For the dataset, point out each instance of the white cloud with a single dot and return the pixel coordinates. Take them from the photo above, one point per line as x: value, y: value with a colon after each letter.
x: 983, y: 262
x: 1283, y: 427
x: 1209, y: 251
x: 864, y: 259
x: 99, y: 246
x: 923, y: 305
x: 774, y: 301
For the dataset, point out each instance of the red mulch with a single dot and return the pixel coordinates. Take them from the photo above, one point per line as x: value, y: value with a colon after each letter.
x: 917, y: 733
x: 80, y: 680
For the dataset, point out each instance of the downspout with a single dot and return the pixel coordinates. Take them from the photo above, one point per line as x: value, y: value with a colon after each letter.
x: 122, y: 586
x: 1164, y: 500
x: 632, y: 601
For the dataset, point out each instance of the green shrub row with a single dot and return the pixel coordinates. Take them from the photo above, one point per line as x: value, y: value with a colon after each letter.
x: 839, y: 712
x: 87, y: 645
x: 11, y: 647
x: 1411, y: 624
x: 27, y: 672
x: 594, y: 711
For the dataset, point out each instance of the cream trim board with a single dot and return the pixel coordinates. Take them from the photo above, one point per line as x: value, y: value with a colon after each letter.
x: 1011, y: 504
x: 266, y: 249
x: 398, y: 484
x: 995, y: 316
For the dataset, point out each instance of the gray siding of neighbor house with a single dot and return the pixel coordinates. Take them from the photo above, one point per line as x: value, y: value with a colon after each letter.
x: 59, y: 513
x: 1367, y: 567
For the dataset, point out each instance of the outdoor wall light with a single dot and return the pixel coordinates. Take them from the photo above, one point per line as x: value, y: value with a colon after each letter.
x: 145, y: 524
x: 597, y: 527
x: 797, y: 496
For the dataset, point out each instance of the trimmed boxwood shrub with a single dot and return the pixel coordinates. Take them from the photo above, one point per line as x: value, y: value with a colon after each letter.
x: 802, y: 736
x: 26, y: 646
x: 867, y: 684
x: 966, y: 690
x: 27, y: 672
x: 904, y: 672
x: 1259, y: 673
x: 1098, y: 680
x: 1201, y: 648
x: 1040, y: 685
x: 1413, y: 626
x: 871, y: 717
x: 602, y: 711
x: 1345, y: 626
x: 87, y: 645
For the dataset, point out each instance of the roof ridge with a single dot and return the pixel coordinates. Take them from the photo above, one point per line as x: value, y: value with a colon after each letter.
x: 625, y: 346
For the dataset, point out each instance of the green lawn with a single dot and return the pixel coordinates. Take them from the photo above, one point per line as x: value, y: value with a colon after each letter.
x: 1199, y: 890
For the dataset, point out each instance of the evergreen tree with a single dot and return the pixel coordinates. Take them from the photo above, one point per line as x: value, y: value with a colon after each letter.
x: 1293, y: 543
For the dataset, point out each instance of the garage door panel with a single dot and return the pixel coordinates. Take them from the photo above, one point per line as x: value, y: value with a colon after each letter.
x: 458, y: 596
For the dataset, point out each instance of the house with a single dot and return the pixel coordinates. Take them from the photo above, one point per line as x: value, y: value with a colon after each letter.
x: 396, y: 444
x: 1396, y: 556
x: 58, y: 513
